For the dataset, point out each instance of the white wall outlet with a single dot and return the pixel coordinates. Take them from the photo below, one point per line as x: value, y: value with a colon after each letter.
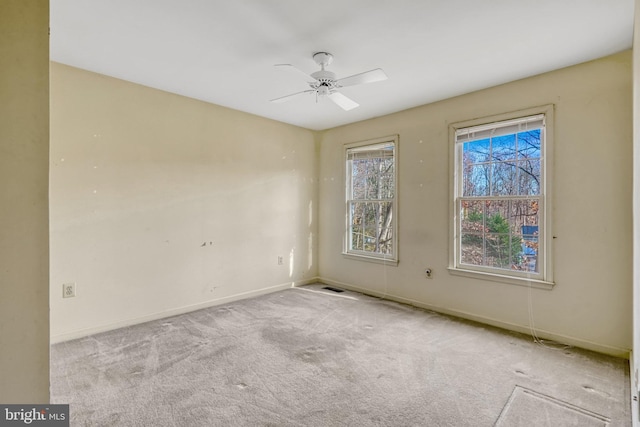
x: 68, y: 290
x: 280, y: 260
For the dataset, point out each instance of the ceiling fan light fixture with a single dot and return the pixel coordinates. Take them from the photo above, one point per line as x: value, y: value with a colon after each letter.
x: 323, y: 91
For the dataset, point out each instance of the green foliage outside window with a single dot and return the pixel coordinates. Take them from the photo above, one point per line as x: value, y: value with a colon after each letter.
x: 496, y: 237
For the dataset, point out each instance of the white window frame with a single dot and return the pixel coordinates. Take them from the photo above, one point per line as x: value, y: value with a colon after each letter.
x: 347, y: 252
x: 544, y: 277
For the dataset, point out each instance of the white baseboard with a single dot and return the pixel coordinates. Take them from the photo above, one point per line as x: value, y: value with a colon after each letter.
x: 80, y: 333
x: 564, y: 339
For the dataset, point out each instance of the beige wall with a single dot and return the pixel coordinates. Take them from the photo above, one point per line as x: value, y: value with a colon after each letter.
x: 161, y: 204
x: 590, y: 305
x: 24, y: 239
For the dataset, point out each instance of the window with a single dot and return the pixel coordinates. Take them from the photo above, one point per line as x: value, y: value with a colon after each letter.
x: 501, y: 198
x: 371, y: 209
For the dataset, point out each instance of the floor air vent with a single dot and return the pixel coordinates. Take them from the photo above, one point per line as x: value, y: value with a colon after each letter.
x: 329, y: 288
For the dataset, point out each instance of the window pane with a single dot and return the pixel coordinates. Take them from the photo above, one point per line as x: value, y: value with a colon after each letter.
x: 472, y: 249
x: 497, y: 215
x: 499, y: 250
x: 503, y: 179
x: 529, y: 177
x: 503, y: 148
x: 476, y: 180
x: 356, y: 216
x: 477, y: 151
x: 529, y: 144
x: 372, y: 179
x: 370, y: 239
x: 362, y: 182
x: 357, y: 238
x: 363, y: 170
x: 357, y: 213
x: 386, y: 240
x: 524, y: 220
x: 528, y: 256
x: 472, y: 216
x: 386, y: 186
x: 386, y: 177
x: 369, y: 214
x: 491, y: 250
x: 524, y: 213
x: 358, y: 184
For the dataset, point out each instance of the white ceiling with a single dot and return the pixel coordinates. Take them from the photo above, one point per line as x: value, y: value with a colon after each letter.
x: 223, y: 51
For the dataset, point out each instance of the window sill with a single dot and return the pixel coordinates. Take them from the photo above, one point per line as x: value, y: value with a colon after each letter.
x: 512, y: 280
x: 376, y: 260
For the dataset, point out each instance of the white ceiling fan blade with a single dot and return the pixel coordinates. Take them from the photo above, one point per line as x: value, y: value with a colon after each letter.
x: 366, y: 77
x: 288, y: 97
x: 342, y: 101
x: 291, y: 68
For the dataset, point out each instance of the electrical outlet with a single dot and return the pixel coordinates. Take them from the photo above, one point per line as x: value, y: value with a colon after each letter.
x: 68, y: 290
x: 280, y: 260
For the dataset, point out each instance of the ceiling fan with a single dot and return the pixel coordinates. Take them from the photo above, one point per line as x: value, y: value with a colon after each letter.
x: 325, y: 83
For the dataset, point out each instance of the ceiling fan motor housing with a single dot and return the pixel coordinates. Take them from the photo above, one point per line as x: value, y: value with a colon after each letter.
x: 323, y: 78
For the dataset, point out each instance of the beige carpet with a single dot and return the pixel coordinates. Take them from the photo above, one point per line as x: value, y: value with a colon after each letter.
x: 312, y: 357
